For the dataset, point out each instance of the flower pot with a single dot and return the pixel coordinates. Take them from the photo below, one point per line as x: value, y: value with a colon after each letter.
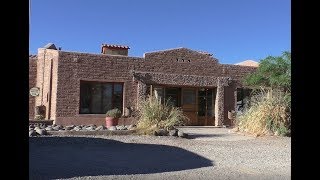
x: 110, y: 121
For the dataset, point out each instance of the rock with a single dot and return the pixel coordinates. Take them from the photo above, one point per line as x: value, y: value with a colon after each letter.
x: 161, y: 132
x: 56, y: 128
x: 269, y: 133
x: 182, y: 134
x: 112, y: 128
x: 59, y: 127
x: 49, y: 129
x: 90, y: 128
x: 41, y: 131
x: 121, y: 127
x: 54, y: 125
x: 42, y: 126
x: 91, y: 125
x: 32, y: 133
x: 131, y: 126
x: 101, y: 128
x: 173, y: 132
x: 77, y: 128
x: 68, y: 128
x: 36, y: 128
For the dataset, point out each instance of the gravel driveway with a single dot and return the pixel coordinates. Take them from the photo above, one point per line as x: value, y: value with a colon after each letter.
x: 209, y: 153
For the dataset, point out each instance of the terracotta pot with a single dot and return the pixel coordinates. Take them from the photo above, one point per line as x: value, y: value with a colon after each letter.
x: 110, y: 121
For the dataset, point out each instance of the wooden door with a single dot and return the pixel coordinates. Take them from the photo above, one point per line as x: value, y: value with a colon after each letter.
x: 189, y: 105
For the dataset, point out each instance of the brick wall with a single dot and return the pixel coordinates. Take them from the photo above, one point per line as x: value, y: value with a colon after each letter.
x: 71, y: 67
x: 32, y: 83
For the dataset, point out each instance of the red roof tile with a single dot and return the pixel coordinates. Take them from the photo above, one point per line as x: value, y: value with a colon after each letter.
x: 115, y: 46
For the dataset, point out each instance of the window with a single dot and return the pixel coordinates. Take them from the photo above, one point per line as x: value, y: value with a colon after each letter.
x: 242, y: 98
x: 189, y: 96
x: 172, y: 95
x: 99, y: 97
x: 166, y: 93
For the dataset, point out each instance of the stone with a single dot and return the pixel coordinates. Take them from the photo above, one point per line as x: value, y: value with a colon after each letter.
x: 36, y: 128
x: 68, y: 128
x: 41, y: 131
x: 269, y: 133
x: 131, y: 126
x: 161, y: 132
x: 32, y: 133
x: 173, y: 132
x: 49, y: 129
x: 76, y: 128
x: 101, y: 128
x: 42, y: 126
x: 112, y: 128
x: 90, y: 128
x: 121, y: 127
x: 182, y: 134
x: 56, y: 128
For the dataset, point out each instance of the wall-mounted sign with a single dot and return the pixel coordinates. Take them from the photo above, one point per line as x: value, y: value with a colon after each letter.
x: 35, y: 91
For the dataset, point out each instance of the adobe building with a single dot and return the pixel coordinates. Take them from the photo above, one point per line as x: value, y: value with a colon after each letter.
x: 78, y: 88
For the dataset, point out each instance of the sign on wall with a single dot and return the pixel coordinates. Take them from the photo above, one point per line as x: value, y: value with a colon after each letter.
x: 35, y: 91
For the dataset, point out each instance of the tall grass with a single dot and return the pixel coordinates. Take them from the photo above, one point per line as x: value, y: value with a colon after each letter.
x: 154, y: 115
x: 269, y: 111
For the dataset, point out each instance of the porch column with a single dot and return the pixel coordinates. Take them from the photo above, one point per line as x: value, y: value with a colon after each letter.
x: 219, y: 102
x: 142, y: 91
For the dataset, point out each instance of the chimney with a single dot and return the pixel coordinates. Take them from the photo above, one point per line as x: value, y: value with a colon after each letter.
x: 114, y: 49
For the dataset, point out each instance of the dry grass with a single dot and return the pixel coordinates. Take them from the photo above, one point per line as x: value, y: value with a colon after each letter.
x: 154, y: 115
x: 269, y: 111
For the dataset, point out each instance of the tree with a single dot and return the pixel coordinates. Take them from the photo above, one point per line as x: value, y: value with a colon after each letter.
x: 273, y: 72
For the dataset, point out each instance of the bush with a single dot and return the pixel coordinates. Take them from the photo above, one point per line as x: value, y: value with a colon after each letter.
x: 153, y: 115
x: 115, y: 113
x: 270, y: 110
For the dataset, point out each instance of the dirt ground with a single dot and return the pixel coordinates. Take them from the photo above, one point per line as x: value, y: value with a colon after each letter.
x: 208, y: 153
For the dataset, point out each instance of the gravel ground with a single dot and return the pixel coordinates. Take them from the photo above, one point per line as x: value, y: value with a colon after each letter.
x: 209, y: 153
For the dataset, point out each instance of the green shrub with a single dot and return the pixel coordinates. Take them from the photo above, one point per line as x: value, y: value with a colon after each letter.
x: 153, y: 115
x: 115, y: 113
x: 270, y: 110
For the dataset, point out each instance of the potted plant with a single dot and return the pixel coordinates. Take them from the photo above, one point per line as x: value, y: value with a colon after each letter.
x: 112, y: 117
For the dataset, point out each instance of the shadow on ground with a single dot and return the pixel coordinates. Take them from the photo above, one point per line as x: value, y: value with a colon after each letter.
x: 66, y: 157
x: 194, y: 136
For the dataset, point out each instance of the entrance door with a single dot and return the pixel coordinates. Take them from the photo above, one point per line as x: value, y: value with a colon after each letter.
x: 205, y: 107
x: 189, y: 105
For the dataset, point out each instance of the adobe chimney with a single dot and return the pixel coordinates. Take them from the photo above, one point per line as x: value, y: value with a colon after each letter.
x: 114, y: 49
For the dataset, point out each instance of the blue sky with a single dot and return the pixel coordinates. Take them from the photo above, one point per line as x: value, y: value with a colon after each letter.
x: 231, y: 30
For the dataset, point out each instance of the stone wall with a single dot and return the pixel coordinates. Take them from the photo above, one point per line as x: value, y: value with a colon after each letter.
x: 180, y: 66
x: 32, y: 82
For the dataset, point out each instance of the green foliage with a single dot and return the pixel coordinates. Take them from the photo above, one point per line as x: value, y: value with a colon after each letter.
x: 153, y: 115
x: 115, y: 113
x: 274, y: 72
x: 269, y: 111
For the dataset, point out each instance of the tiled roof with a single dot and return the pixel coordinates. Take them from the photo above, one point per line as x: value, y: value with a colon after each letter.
x: 32, y: 56
x: 248, y: 63
x: 115, y: 46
